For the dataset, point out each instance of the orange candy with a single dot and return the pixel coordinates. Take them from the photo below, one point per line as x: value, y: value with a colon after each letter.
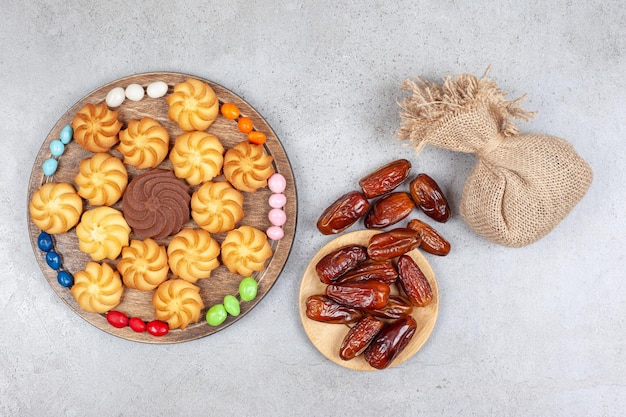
x: 257, y: 138
x: 230, y: 111
x: 245, y: 124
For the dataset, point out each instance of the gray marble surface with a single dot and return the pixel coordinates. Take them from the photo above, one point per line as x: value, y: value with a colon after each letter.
x: 534, y: 331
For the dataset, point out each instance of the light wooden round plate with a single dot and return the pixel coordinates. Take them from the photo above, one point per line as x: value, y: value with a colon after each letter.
x: 327, y: 338
x: 222, y: 282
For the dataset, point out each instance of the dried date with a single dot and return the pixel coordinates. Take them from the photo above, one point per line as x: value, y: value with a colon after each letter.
x: 388, y: 210
x: 413, y: 282
x: 391, y: 244
x: 385, y: 179
x: 432, y: 241
x: 429, y: 197
x: 383, y: 271
x: 396, y: 308
x: 366, y: 295
x: 322, y: 308
x: 340, y: 261
x: 343, y: 213
x: 390, y: 342
x: 359, y: 337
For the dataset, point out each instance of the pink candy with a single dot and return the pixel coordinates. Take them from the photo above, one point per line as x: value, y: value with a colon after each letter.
x: 277, y: 184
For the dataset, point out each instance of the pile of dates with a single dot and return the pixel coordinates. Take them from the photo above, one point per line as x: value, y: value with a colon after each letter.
x: 359, y: 278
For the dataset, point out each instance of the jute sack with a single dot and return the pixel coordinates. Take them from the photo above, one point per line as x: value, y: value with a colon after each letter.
x: 523, y: 185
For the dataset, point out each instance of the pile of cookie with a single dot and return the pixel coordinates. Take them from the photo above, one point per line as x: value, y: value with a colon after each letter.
x: 146, y: 235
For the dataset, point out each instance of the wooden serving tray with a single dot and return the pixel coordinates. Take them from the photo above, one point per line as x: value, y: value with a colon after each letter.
x: 137, y: 303
x: 327, y: 338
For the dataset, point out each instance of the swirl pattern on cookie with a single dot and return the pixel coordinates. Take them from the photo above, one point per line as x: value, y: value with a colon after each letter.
x: 102, y: 233
x: 193, y: 254
x: 55, y: 207
x: 193, y: 105
x: 177, y: 302
x: 245, y: 250
x: 96, y: 127
x: 156, y: 204
x: 143, y: 265
x: 144, y: 143
x: 101, y: 179
x: 217, y: 207
x: 247, y: 167
x: 98, y: 288
x: 197, y: 157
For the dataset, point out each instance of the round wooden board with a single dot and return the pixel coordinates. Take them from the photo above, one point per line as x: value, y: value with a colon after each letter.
x: 222, y: 282
x: 327, y: 338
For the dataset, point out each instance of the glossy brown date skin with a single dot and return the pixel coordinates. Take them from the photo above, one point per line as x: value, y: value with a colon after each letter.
x: 343, y: 213
x: 413, y: 282
x: 390, y: 342
x: 432, y: 241
x: 385, y: 179
x: 383, y: 271
x: 359, y: 337
x: 340, y: 261
x: 389, y: 210
x: 366, y: 295
x: 396, y: 308
x: 391, y: 244
x: 322, y: 308
x: 429, y: 197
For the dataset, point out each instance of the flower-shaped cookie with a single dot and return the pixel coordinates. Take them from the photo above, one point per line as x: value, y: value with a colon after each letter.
x: 101, y: 179
x: 143, y: 265
x: 96, y: 127
x: 102, y: 233
x: 217, y: 207
x: 144, y: 143
x: 247, y: 167
x: 177, y: 302
x: 245, y: 250
x: 55, y: 207
x: 156, y: 204
x: 193, y: 254
x: 98, y: 288
x: 197, y: 157
x: 193, y: 105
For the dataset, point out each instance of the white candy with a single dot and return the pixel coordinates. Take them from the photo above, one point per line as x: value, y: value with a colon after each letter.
x: 134, y: 92
x: 156, y: 89
x: 115, y: 97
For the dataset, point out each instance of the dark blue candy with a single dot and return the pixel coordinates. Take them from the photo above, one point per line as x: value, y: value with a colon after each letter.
x: 53, y: 260
x: 44, y: 242
x: 65, y: 279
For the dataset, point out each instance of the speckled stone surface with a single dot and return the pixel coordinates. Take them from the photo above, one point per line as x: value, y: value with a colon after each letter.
x: 535, y: 331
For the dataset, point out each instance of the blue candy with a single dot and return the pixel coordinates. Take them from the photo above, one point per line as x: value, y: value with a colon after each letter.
x: 44, y: 242
x: 57, y: 147
x: 66, y: 134
x: 49, y: 166
x: 53, y: 260
x: 65, y: 279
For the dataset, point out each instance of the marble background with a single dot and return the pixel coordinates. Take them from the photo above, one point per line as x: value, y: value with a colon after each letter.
x: 534, y: 331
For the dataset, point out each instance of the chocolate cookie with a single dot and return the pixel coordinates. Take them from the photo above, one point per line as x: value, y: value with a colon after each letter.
x: 156, y: 204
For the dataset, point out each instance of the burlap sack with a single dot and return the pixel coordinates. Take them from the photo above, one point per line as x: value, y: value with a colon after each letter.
x: 522, y: 185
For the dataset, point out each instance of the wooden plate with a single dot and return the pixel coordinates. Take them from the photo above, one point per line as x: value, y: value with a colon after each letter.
x: 222, y: 282
x: 327, y: 338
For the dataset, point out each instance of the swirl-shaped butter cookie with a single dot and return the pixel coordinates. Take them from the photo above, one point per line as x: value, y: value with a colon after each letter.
x: 102, y: 233
x: 197, y: 157
x: 101, y: 179
x: 247, y: 167
x: 144, y: 143
x: 193, y: 105
x: 98, y: 288
x: 177, y: 302
x: 96, y: 127
x: 193, y: 254
x: 217, y: 207
x: 245, y: 250
x: 55, y: 207
x: 143, y: 265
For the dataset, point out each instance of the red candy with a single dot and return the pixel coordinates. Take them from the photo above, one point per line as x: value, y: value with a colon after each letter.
x: 117, y: 319
x: 158, y: 328
x: 137, y: 324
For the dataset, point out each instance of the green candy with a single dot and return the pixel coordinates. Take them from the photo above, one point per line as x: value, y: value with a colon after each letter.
x: 231, y: 304
x: 216, y: 315
x: 247, y: 289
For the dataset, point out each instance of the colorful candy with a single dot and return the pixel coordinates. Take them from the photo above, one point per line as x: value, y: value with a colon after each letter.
x: 156, y: 89
x: 65, y: 279
x: 66, y: 134
x: 49, y: 167
x: 134, y: 92
x: 115, y: 97
x: 137, y: 325
x: 44, y: 242
x: 216, y: 315
x: 277, y: 183
x: 231, y: 304
x: 157, y: 328
x: 275, y: 232
x: 277, y: 200
x: 248, y: 289
x: 117, y: 319
x: 57, y: 147
x: 53, y: 260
